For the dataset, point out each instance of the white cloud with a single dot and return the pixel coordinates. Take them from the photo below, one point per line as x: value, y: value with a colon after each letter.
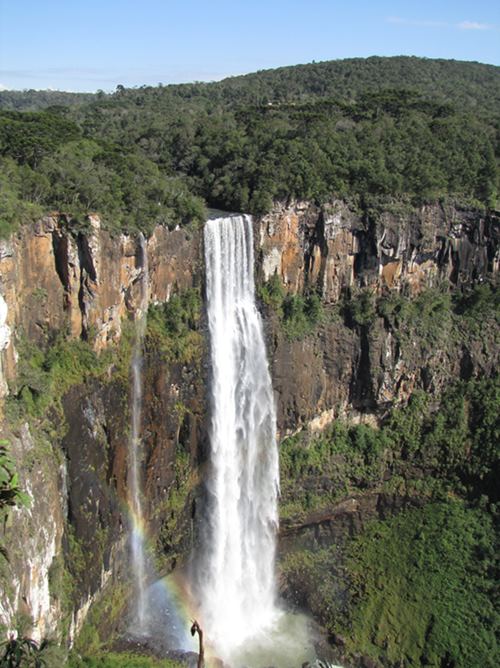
x: 2, y: 87
x: 473, y: 25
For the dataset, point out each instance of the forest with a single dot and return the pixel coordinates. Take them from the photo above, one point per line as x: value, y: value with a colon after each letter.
x: 406, y: 128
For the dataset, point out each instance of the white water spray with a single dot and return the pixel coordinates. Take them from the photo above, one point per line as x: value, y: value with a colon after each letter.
x: 134, y: 481
x: 238, y: 590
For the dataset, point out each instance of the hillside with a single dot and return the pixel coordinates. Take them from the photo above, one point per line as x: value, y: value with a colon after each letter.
x: 406, y: 128
x: 468, y: 84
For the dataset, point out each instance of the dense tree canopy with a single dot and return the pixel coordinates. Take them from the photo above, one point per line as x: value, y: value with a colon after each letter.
x: 400, y: 127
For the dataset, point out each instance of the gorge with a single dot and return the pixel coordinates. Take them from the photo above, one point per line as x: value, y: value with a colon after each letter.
x: 309, y: 399
x: 153, y: 375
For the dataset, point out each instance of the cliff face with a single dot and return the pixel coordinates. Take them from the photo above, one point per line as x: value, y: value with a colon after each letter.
x: 347, y: 366
x: 73, y: 461
x: 55, y: 278
x: 389, y: 327
x: 87, y: 283
x: 337, y: 247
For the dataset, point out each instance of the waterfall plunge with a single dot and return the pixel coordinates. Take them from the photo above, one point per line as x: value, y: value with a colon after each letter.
x: 238, y: 579
x: 134, y: 482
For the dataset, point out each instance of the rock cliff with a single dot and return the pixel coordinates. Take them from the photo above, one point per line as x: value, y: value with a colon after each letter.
x: 72, y: 460
x: 340, y: 246
x: 85, y: 282
x: 346, y: 366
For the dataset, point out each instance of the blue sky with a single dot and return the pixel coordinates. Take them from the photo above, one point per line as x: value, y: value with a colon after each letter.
x: 98, y: 44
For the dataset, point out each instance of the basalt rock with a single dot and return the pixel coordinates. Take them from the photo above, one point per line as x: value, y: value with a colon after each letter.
x: 55, y: 277
x: 336, y: 250
x: 340, y: 246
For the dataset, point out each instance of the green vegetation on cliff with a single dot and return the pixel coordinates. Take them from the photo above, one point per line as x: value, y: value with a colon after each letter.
x: 10, y: 492
x: 46, y: 373
x: 377, y: 127
x: 427, y: 452
x: 434, y: 316
x: 416, y: 587
x: 172, y: 327
x: 299, y: 316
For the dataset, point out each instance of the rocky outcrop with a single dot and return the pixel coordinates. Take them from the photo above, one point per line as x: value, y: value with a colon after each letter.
x: 339, y: 246
x: 344, y: 367
x: 34, y: 538
x: 361, y: 372
x: 4, y: 342
x: 333, y: 525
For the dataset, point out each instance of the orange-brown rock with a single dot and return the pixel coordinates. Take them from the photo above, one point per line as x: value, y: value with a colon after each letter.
x: 54, y: 277
x: 338, y: 246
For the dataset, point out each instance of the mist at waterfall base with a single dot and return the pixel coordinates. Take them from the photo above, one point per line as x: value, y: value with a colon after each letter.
x: 231, y: 587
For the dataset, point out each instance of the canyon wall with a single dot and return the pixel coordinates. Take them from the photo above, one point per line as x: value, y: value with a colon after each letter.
x: 72, y: 460
x: 395, y: 291
x: 338, y: 251
x: 85, y: 283
x: 339, y: 246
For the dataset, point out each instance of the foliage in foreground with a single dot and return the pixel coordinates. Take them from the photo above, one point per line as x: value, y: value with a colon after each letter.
x: 22, y: 652
x: 10, y: 492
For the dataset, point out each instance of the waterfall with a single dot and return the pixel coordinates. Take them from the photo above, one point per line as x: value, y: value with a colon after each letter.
x: 138, y: 556
x: 238, y: 589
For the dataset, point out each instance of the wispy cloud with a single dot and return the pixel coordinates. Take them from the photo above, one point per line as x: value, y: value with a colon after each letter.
x: 422, y: 23
x: 473, y: 25
x: 57, y: 72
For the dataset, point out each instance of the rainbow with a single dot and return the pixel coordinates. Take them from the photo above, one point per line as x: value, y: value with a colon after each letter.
x: 175, y: 586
